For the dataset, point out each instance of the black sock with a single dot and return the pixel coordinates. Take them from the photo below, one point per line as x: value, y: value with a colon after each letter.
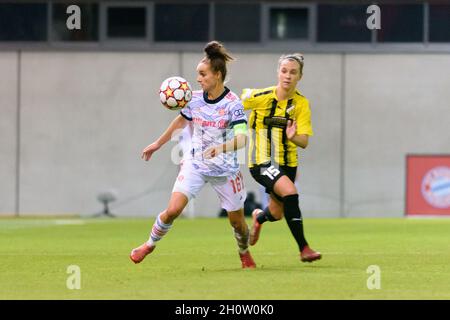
x: 294, y: 220
x: 265, y: 216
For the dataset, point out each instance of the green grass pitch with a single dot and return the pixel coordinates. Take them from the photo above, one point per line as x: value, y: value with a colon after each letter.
x: 198, y: 260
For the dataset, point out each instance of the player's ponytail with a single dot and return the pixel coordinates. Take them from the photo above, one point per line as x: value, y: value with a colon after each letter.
x: 218, y: 57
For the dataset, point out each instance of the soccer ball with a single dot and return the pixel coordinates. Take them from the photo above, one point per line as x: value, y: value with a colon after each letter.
x: 175, y: 93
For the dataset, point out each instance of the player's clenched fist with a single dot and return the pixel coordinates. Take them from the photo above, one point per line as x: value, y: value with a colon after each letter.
x: 212, y: 152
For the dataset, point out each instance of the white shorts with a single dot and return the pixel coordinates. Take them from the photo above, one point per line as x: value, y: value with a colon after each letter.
x: 230, y: 189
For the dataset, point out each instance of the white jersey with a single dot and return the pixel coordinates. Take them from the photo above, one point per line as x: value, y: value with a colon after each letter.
x: 213, y: 122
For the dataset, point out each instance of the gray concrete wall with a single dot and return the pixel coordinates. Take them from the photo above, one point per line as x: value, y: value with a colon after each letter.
x: 86, y: 116
x: 395, y: 104
x: 8, y: 132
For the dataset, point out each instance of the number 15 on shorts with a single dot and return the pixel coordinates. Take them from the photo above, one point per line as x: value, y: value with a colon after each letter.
x: 271, y: 172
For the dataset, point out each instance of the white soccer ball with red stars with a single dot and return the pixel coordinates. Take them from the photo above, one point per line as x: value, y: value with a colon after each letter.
x: 175, y: 93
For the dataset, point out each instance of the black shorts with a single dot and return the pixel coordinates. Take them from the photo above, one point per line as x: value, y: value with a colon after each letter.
x: 267, y: 174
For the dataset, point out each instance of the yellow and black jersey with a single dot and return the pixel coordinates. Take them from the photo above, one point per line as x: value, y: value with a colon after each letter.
x: 267, y: 123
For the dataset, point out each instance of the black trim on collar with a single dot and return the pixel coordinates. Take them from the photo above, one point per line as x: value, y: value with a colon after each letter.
x: 205, y: 96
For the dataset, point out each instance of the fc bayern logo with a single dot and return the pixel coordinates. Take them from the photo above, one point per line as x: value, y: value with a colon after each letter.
x: 436, y: 187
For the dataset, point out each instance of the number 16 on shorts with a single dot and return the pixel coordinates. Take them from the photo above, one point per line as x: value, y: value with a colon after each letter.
x: 271, y: 172
x: 237, y: 182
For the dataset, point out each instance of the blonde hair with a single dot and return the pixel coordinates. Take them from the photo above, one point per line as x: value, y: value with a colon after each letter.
x: 292, y: 57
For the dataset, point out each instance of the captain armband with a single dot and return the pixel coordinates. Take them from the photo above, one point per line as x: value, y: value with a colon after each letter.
x: 240, y: 128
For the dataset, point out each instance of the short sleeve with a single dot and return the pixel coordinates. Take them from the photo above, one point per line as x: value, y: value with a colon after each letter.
x: 248, y: 98
x: 237, y: 114
x: 186, y: 112
x: 304, y: 119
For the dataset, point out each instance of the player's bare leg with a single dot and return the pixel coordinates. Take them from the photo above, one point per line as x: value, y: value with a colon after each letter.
x: 273, y: 212
x: 177, y: 203
x: 241, y: 233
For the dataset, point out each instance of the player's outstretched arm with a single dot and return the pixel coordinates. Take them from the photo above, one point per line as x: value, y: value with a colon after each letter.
x: 238, y: 142
x: 178, y: 123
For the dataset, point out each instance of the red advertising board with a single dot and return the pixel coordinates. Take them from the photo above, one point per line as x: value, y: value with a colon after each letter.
x: 427, y: 185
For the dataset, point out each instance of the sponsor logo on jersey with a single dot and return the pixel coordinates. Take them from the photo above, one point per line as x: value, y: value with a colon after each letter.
x: 221, y: 124
x: 239, y: 112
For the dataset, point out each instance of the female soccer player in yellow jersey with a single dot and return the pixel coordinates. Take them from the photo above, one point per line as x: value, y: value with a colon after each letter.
x: 280, y: 120
x: 219, y: 128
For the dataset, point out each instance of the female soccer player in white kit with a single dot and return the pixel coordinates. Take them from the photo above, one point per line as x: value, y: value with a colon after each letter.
x: 219, y: 129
